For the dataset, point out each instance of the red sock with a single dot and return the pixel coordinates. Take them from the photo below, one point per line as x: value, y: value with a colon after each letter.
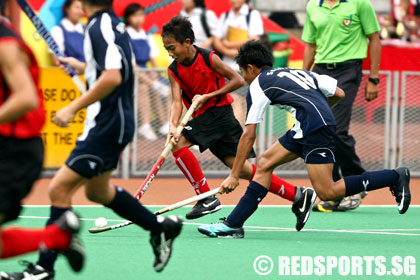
x: 282, y: 188
x: 18, y: 241
x: 189, y: 165
x: 279, y: 186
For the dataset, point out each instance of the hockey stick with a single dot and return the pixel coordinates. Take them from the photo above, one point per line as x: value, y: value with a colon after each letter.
x: 161, y: 211
x: 42, y: 30
x: 150, y: 9
x: 163, y: 155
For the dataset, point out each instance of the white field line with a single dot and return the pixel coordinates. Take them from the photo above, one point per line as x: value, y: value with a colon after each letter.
x: 264, y: 229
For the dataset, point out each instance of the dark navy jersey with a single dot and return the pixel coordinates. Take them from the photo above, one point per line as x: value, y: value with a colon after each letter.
x: 302, y: 93
x: 107, y: 46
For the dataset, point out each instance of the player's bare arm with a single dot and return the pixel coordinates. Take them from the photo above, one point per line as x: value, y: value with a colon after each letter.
x: 339, y: 94
x: 14, y: 66
x: 309, y: 56
x: 176, y: 108
x: 244, y: 148
x: 235, y: 81
x: 105, y: 84
x: 371, y: 91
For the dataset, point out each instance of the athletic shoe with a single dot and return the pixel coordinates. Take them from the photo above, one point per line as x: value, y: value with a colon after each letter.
x: 164, y: 129
x: 162, y: 242
x: 75, y: 254
x: 350, y: 202
x: 326, y: 206
x: 401, y: 190
x: 302, y: 207
x: 162, y: 89
x: 147, y: 132
x: 221, y: 230
x: 203, y: 207
x: 32, y: 271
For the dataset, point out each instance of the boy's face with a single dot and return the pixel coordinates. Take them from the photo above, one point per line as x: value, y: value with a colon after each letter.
x: 178, y: 51
x: 248, y: 74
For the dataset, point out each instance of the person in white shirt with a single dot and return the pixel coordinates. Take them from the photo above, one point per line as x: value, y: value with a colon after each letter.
x: 69, y: 33
x: 145, y: 50
x: 204, y: 22
x: 236, y: 27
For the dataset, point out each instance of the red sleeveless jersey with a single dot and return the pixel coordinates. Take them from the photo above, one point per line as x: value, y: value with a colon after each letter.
x: 199, y: 77
x: 30, y: 124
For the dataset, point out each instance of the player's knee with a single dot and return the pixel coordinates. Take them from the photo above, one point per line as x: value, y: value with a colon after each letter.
x: 325, y: 193
x: 92, y: 196
x: 98, y: 197
x: 57, y: 193
x: 263, y: 164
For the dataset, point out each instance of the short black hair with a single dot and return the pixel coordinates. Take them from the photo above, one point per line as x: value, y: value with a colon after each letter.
x: 67, y: 5
x: 180, y: 28
x: 255, y: 53
x: 132, y: 9
x: 199, y: 3
x: 102, y: 3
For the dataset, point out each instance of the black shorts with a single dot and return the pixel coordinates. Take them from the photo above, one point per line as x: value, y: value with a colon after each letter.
x: 93, y: 158
x: 315, y: 148
x: 216, y: 129
x: 20, y: 166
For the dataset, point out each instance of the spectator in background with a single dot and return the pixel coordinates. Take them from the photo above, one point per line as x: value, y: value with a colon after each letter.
x: 69, y: 33
x: 204, y: 22
x: 338, y: 46
x: 236, y: 27
x: 151, y: 89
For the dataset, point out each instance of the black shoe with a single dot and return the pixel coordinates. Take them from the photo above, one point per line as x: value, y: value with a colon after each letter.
x: 32, y: 271
x: 302, y: 207
x: 162, y: 242
x: 203, y: 207
x: 75, y: 254
x: 401, y: 190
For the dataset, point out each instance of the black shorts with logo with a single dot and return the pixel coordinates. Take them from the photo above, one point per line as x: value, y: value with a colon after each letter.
x: 20, y: 166
x: 216, y: 129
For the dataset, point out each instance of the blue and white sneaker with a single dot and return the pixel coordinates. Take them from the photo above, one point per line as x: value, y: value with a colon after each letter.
x: 221, y: 230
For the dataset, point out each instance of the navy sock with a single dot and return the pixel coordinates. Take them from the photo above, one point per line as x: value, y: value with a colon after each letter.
x: 369, y: 181
x: 247, y: 205
x: 48, y: 258
x: 129, y: 208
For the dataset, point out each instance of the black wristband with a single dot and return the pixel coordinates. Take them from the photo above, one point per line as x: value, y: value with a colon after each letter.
x: 374, y: 81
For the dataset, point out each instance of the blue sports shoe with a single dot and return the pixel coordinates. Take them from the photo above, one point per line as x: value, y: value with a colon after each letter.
x: 221, y: 230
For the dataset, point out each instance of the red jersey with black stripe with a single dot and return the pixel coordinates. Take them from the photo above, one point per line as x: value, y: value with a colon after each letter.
x: 199, y: 77
x: 30, y: 124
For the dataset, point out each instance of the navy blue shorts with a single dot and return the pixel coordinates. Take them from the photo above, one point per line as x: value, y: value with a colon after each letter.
x: 315, y: 148
x: 92, y: 158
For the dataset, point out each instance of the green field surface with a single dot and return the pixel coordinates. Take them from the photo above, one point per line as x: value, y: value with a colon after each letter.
x: 377, y: 233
